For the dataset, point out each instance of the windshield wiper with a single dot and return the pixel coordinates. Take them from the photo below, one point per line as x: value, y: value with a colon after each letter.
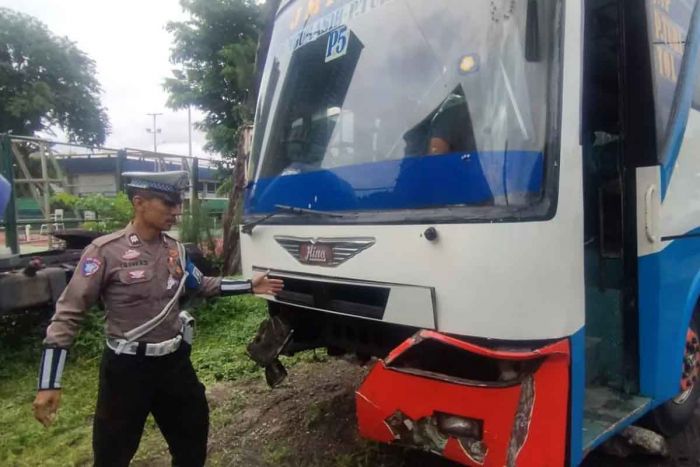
x: 282, y: 209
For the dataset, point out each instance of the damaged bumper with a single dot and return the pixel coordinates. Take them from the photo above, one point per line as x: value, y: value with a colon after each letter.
x: 471, y: 404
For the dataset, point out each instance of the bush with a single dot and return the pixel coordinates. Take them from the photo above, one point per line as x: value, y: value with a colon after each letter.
x: 64, y: 201
x: 112, y: 213
x: 196, y: 227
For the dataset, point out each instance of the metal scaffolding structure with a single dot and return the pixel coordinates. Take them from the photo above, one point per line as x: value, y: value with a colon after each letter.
x: 18, y: 152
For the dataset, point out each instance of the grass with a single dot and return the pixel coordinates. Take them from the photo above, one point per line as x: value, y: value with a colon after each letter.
x: 277, y: 454
x: 224, y: 327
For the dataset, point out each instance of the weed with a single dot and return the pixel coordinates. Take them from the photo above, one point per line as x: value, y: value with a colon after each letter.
x: 314, y: 415
x: 276, y: 454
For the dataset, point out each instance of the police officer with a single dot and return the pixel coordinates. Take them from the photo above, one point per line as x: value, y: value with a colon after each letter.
x: 139, y: 273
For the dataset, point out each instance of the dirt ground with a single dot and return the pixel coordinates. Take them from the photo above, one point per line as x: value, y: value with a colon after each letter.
x: 306, y: 421
x: 310, y: 421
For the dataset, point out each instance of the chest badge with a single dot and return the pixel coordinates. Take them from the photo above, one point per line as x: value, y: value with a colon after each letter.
x: 130, y: 254
x: 139, y: 274
x: 134, y: 240
x: 174, y: 266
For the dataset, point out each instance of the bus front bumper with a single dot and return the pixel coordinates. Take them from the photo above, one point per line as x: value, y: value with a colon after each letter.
x: 471, y: 404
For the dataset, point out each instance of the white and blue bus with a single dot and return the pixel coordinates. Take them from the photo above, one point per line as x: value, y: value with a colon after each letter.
x: 499, y: 202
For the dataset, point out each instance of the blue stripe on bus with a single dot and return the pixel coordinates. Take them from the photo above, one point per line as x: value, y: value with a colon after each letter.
x: 669, y: 288
x: 410, y: 183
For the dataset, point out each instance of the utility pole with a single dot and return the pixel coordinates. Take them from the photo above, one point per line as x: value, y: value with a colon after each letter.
x: 155, y: 131
x: 194, y: 168
x: 189, y: 130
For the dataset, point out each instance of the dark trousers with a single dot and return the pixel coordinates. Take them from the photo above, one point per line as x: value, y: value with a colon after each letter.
x: 131, y: 387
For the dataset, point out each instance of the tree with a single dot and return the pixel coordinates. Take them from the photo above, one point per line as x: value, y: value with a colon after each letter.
x: 221, y: 52
x: 231, y: 260
x: 215, y: 54
x: 46, y: 81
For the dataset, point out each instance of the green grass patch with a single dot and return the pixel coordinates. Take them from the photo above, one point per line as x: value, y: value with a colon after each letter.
x: 224, y: 328
x: 277, y: 454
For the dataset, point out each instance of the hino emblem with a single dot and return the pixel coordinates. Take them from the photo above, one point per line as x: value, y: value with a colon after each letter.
x: 328, y: 252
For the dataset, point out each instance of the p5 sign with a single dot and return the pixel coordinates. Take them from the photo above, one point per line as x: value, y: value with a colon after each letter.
x: 338, y: 40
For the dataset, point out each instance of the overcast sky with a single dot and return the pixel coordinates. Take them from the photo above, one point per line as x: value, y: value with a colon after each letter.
x: 128, y: 40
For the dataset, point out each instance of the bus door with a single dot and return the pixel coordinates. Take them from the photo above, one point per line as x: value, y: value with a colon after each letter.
x: 611, y: 140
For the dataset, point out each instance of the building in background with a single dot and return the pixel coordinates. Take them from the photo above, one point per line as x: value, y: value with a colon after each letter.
x: 99, y: 175
x: 92, y: 175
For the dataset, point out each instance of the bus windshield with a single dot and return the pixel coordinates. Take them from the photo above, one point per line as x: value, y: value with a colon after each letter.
x: 381, y: 105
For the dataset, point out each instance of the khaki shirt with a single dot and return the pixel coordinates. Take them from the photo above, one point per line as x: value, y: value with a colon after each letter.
x: 135, y: 280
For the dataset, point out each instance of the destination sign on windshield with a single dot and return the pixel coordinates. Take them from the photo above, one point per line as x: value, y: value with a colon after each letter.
x: 310, y: 19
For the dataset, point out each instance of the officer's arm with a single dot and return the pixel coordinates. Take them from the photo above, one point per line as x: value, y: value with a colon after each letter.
x: 82, y: 292
x: 219, y: 286
x: 207, y: 286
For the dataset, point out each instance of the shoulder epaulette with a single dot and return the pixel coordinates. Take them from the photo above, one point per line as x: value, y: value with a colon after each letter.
x: 105, y: 239
x: 167, y: 235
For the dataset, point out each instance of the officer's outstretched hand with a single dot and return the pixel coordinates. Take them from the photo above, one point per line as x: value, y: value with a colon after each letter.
x: 46, y: 405
x: 263, y: 285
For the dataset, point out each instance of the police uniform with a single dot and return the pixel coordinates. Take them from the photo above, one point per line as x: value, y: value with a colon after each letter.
x: 145, y: 366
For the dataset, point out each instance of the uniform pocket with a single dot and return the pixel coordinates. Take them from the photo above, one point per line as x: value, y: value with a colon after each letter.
x: 135, y: 284
x: 135, y: 276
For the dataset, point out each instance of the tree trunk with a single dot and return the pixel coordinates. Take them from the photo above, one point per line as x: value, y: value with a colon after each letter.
x: 232, y: 246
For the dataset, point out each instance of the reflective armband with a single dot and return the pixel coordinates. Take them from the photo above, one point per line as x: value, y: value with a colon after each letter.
x: 231, y: 287
x: 52, y: 362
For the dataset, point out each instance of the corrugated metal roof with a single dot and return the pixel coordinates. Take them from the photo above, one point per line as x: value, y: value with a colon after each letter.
x: 95, y: 165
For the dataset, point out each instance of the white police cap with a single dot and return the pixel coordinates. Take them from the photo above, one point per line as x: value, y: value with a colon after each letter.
x: 175, y: 181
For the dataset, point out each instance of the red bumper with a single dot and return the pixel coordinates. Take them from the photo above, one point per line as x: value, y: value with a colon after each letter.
x: 523, y: 423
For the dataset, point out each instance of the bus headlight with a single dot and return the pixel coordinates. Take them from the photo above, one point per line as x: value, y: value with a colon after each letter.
x: 460, y: 427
